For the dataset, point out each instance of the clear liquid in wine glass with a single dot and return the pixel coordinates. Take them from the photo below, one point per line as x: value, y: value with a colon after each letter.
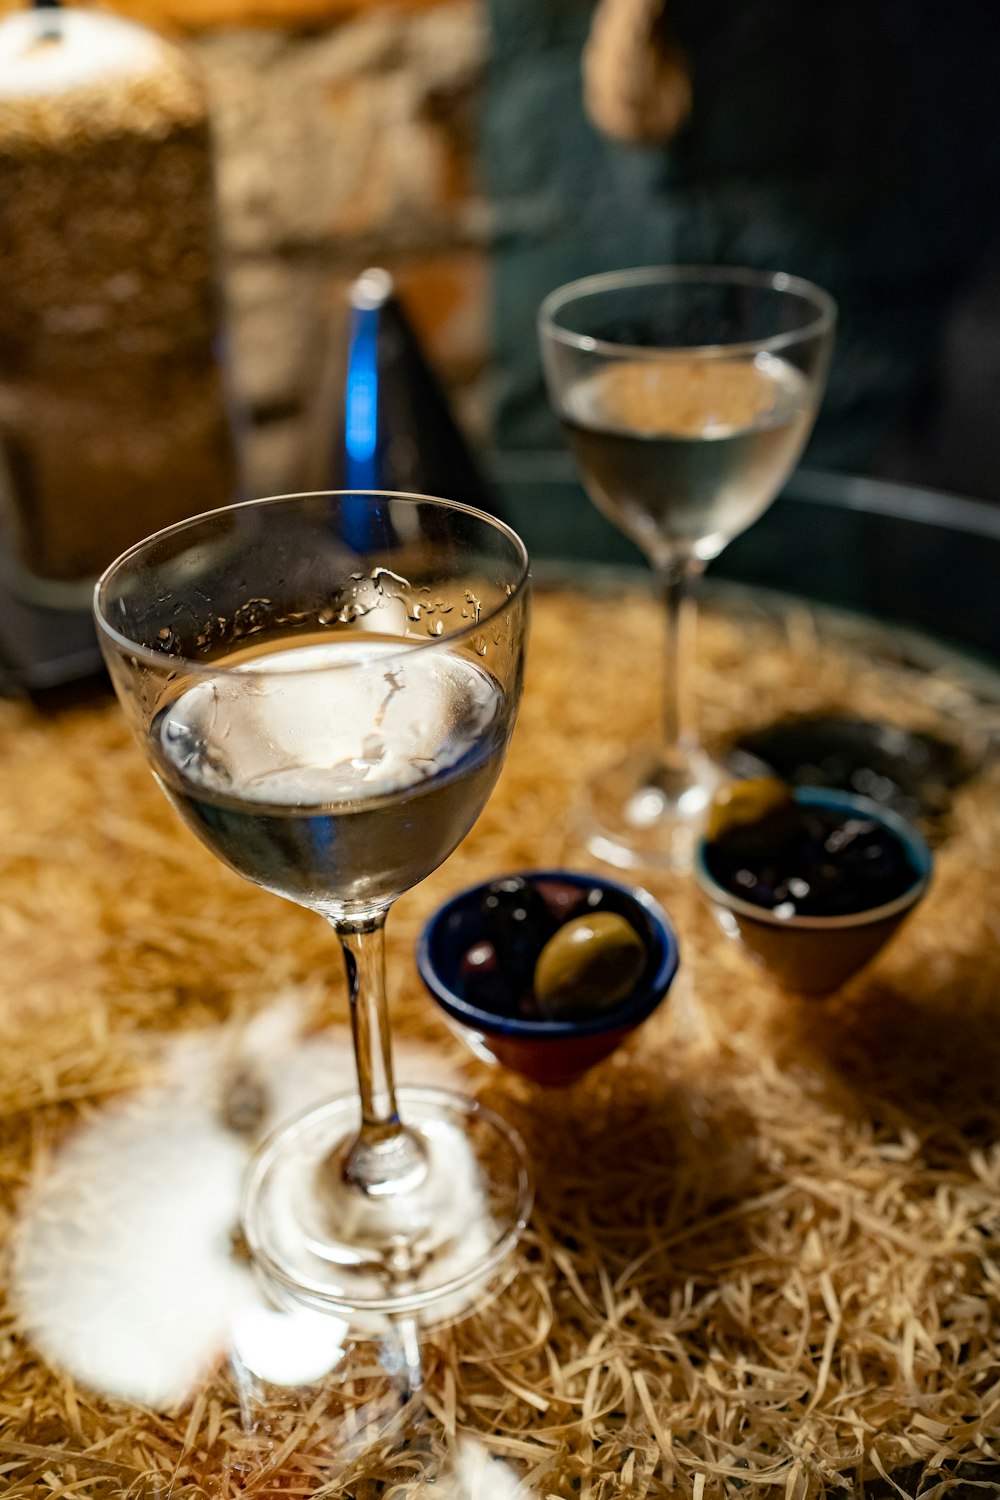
x: 682, y: 454
x: 337, y: 773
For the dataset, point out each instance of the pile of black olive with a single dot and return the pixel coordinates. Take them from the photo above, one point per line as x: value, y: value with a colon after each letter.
x: 552, y: 950
x: 798, y: 860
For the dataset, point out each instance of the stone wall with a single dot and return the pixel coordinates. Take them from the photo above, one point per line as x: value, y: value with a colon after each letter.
x: 346, y: 137
x: 339, y: 148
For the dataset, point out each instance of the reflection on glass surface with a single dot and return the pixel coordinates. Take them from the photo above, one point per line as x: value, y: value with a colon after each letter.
x: 285, y: 1346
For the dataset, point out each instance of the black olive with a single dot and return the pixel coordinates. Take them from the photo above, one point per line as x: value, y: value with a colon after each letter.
x: 483, y: 984
x: 834, y: 865
x: 518, y: 922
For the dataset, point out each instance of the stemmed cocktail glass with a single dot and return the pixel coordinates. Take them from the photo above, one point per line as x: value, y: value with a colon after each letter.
x: 687, y: 395
x: 325, y: 687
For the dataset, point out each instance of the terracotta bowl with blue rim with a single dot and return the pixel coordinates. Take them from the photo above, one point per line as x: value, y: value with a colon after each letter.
x: 816, y: 955
x: 547, y: 1052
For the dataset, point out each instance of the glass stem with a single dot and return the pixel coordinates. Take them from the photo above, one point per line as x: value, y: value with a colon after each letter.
x: 386, y: 1157
x: 680, y: 736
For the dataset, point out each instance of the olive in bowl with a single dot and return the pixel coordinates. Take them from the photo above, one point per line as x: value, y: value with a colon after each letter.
x: 813, y: 882
x: 547, y: 971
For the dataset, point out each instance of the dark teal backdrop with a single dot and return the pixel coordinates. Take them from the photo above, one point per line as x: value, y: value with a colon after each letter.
x: 854, y: 142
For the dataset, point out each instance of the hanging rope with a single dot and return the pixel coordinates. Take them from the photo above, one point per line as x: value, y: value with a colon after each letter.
x: 636, y: 83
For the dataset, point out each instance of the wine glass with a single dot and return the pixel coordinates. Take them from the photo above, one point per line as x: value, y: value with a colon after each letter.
x: 687, y: 394
x: 325, y: 686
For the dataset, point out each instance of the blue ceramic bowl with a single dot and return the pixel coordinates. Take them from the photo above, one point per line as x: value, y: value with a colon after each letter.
x: 548, y: 1052
x: 815, y: 955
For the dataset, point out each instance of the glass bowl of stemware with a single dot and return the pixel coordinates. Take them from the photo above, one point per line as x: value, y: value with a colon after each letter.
x: 686, y: 394
x: 325, y: 687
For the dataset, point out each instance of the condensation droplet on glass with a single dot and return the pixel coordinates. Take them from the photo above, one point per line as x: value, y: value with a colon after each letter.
x: 435, y: 627
x: 349, y: 614
x: 413, y: 613
x: 326, y: 616
x: 378, y: 574
x: 479, y: 645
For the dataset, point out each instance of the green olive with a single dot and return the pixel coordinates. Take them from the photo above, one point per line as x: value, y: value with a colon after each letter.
x: 752, y: 812
x: 588, y: 965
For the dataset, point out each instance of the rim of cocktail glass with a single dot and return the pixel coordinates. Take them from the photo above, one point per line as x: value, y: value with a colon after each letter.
x: 193, y: 665
x: 605, y: 281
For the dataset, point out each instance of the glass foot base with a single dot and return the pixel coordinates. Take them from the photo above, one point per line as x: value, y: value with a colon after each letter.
x: 430, y: 1251
x: 641, y: 812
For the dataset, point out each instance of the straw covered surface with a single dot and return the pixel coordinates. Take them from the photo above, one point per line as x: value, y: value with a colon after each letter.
x: 765, y: 1254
